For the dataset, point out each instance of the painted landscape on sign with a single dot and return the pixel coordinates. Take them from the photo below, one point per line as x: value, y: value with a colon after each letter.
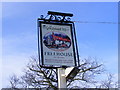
x: 57, y: 41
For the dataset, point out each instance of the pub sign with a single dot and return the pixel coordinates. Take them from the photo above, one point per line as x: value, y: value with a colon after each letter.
x: 56, y: 44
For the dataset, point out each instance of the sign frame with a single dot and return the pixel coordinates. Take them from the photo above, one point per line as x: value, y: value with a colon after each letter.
x: 40, y: 43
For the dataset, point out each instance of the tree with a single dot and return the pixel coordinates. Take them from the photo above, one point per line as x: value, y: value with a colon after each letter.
x: 38, y: 77
x: 14, y: 81
x: 109, y: 82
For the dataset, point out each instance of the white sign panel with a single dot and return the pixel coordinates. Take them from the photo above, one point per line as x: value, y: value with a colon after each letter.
x: 57, y: 46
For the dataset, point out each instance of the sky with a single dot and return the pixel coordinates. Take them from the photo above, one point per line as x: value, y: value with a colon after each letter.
x: 95, y: 39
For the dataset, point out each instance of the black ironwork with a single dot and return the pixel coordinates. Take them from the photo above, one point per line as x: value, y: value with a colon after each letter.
x: 59, y: 13
x: 76, y: 45
x: 57, y: 17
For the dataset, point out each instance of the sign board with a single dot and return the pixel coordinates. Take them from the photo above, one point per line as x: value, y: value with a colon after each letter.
x: 57, y: 44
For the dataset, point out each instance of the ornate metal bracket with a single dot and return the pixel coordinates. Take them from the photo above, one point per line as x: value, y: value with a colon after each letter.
x: 57, y: 17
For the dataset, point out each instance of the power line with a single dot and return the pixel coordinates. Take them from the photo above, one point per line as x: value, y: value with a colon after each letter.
x: 97, y: 22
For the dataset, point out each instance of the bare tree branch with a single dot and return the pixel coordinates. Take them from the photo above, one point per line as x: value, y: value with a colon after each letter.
x: 36, y: 76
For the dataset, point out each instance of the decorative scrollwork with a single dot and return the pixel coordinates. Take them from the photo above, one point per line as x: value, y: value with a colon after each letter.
x: 41, y: 17
x: 57, y: 16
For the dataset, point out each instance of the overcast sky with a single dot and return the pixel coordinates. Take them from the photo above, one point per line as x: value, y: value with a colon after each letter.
x: 95, y: 39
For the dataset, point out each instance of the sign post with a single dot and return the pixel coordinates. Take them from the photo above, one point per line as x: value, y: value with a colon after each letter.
x: 61, y: 78
x: 57, y: 45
